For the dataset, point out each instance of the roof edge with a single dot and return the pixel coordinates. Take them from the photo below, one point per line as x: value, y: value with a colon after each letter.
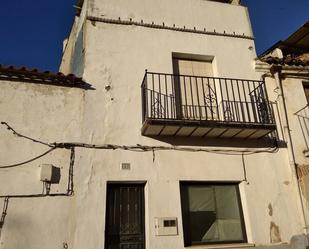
x: 26, y: 75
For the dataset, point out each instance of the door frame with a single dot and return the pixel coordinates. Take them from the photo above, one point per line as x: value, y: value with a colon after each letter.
x: 141, y: 184
x: 177, y: 77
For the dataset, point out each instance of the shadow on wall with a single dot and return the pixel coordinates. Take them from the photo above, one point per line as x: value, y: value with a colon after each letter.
x: 271, y: 141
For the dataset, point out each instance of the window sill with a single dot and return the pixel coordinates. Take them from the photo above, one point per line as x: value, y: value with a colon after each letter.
x: 221, y: 246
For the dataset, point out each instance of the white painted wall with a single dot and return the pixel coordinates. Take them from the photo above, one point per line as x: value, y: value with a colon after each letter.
x: 49, y: 113
x: 117, y: 56
x: 296, y: 100
x: 198, y: 13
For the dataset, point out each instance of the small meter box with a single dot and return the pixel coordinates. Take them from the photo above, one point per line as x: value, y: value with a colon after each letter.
x: 49, y: 173
x: 166, y: 226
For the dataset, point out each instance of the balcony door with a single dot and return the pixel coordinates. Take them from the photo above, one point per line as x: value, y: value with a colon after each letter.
x: 125, y: 217
x: 194, y: 92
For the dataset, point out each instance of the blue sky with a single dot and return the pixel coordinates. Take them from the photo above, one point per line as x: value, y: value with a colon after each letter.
x: 32, y: 31
x: 275, y: 20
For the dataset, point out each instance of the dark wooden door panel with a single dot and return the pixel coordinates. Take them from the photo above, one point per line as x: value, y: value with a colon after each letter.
x: 125, y: 217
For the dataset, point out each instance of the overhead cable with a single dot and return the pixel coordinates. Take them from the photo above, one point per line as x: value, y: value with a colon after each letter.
x: 28, y: 161
x: 135, y: 148
x: 23, y: 136
x: 144, y: 148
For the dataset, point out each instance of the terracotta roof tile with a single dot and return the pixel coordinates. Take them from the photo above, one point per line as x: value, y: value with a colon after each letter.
x: 24, y: 74
x: 302, y: 60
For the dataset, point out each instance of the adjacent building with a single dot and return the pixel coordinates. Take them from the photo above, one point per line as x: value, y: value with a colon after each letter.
x: 171, y: 135
x: 285, y: 68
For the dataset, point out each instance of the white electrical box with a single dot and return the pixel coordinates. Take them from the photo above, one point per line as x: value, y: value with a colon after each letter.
x: 46, y: 172
x: 165, y: 226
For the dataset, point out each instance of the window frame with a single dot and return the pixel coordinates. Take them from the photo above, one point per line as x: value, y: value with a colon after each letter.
x: 186, y: 236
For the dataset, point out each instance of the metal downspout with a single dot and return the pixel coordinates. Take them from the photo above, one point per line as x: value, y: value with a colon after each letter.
x: 276, y: 72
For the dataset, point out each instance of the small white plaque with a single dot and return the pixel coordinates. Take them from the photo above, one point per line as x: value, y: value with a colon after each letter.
x: 166, y: 226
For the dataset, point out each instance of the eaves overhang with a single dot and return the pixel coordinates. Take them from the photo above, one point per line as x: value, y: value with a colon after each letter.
x: 25, y: 75
x: 79, y: 6
x: 264, y: 67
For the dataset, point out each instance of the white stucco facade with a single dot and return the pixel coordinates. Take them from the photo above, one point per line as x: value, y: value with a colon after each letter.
x: 112, y: 57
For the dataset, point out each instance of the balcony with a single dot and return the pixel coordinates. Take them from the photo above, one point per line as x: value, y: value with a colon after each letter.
x: 184, y: 105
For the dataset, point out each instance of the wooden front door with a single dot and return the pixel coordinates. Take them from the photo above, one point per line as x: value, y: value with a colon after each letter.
x: 125, y: 217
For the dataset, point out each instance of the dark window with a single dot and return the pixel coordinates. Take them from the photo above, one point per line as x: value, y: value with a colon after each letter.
x: 211, y: 213
x: 169, y: 223
x: 306, y: 88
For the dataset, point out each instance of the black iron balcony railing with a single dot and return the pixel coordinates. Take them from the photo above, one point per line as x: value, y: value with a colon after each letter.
x: 209, y: 100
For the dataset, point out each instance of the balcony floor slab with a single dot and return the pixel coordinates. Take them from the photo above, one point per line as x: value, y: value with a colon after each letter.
x: 202, y: 128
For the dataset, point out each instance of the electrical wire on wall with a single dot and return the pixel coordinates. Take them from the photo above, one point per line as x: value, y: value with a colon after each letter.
x: 47, y: 185
x: 27, y: 161
x: 26, y: 137
x: 244, y: 168
x: 134, y: 148
x: 4, y: 213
